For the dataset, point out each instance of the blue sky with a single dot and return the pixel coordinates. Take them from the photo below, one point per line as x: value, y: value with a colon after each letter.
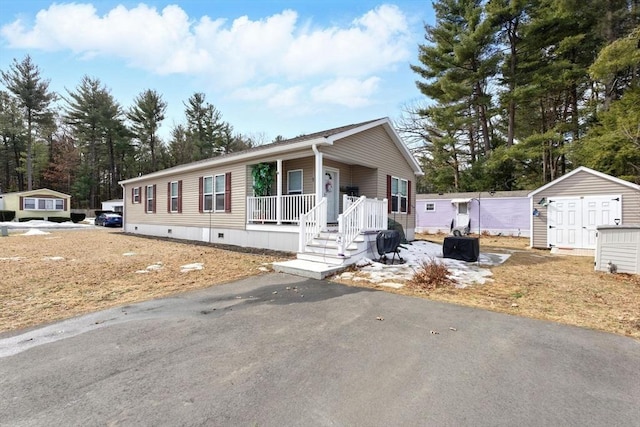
x: 270, y: 67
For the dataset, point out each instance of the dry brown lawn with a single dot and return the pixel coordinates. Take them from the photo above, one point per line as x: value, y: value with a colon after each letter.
x: 537, y: 284
x: 70, y: 272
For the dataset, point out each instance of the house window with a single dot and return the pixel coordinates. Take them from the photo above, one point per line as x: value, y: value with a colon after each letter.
x: 42, y: 204
x: 135, y: 195
x: 150, y: 206
x: 430, y: 207
x: 294, y: 181
x: 29, y: 204
x: 463, y: 208
x: 173, y: 196
x: 207, y: 193
x: 399, y: 195
x: 219, y: 187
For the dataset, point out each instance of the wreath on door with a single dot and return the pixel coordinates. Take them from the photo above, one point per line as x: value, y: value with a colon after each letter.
x: 328, y: 183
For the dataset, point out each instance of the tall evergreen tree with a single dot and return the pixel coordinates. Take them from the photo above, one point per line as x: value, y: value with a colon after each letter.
x: 23, y: 79
x: 13, y: 135
x: 205, y: 127
x: 97, y: 122
x: 146, y: 116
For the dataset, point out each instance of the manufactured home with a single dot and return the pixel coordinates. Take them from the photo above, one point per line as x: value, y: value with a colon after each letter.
x: 496, y: 212
x: 324, y: 195
x: 42, y: 203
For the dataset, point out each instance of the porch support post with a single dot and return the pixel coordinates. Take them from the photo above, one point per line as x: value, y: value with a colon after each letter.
x: 318, y: 157
x: 279, y: 191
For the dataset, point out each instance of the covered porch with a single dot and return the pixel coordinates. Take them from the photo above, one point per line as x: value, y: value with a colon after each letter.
x: 328, y: 203
x: 280, y: 191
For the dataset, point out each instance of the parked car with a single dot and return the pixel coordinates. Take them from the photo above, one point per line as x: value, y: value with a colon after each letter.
x: 109, y: 220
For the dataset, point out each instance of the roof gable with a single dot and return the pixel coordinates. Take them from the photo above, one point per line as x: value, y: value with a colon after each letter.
x: 590, y: 171
x: 38, y: 191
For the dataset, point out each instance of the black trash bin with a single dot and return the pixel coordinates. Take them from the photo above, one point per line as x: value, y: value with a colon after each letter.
x: 461, y: 248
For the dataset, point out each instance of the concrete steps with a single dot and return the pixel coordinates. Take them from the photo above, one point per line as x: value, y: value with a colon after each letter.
x: 306, y: 268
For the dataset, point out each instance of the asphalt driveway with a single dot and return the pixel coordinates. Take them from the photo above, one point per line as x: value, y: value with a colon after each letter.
x: 279, y: 350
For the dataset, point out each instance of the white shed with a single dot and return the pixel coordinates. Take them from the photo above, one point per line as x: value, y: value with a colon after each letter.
x: 566, y: 212
x: 618, y: 247
x: 115, y: 205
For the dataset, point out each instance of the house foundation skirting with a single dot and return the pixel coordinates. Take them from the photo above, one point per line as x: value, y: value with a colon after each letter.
x: 285, y: 240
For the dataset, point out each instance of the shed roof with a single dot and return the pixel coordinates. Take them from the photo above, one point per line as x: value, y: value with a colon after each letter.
x: 590, y: 171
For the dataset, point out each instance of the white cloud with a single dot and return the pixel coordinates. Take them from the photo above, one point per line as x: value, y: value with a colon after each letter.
x: 276, y: 54
x: 349, y: 92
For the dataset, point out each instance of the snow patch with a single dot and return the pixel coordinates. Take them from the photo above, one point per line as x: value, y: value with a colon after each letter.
x: 35, y: 232
x: 53, y: 258
x: 191, y: 267
x: 414, y: 254
x: 153, y: 267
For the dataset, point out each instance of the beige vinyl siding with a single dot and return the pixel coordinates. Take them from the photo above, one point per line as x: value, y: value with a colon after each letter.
x: 190, y: 201
x: 374, y: 148
x: 584, y: 184
x: 367, y: 181
x: 307, y: 165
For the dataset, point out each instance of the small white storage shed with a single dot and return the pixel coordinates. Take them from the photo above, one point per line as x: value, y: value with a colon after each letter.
x: 567, y: 211
x: 618, y: 247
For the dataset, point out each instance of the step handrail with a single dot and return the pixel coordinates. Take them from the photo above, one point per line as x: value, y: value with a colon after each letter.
x: 350, y: 224
x: 312, y: 223
x: 363, y: 215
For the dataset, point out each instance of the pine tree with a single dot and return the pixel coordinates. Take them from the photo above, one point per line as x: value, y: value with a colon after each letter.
x: 23, y: 79
x: 146, y: 115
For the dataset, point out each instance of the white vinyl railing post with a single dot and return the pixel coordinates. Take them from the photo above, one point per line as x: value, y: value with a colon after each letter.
x: 303, y: 233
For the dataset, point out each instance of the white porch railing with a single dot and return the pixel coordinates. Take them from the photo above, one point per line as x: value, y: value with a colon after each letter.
x: 361, y: 215
x: 312, y: 222
x: 295, y: 205
x: 266, y: 209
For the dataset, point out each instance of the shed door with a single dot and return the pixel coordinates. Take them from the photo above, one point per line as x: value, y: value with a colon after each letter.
x: 572, y: 222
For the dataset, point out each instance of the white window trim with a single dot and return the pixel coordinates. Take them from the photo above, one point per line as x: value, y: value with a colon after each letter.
x: 205, y: 193
x: 36, y: 203
x: 172, y: 196
x: 216, y: 192
x: 399, y: 196
x: 136, y: 195
x: 295, y: 191
x: 426, y: 207
x: 149, y: 199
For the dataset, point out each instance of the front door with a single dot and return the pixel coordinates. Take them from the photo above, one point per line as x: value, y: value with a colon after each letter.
x: 330, y: 190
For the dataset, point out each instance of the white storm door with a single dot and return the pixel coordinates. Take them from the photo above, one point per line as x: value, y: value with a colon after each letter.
x: 599, y: 210
x: 564, y: 222
x: 330, y: 190
x: 462, y: 214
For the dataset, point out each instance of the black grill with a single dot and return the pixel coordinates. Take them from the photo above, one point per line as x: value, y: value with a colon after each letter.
x: 388, y: 242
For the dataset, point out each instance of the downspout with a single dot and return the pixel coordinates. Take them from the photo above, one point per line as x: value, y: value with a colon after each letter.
x: 279, y: 191
x: 124, y: 207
